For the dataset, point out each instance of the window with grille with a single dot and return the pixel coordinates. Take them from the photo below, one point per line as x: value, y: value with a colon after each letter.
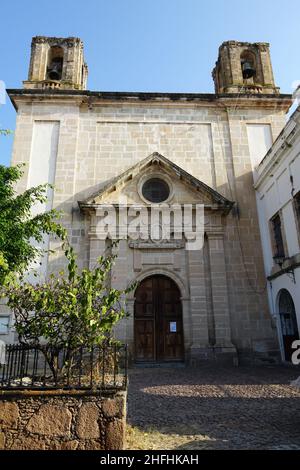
x: 297, y: 209
x: 277, y: 236
x: 287, y: 313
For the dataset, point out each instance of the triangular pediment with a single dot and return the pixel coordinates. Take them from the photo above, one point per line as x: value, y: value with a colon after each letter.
x: 186, y: 188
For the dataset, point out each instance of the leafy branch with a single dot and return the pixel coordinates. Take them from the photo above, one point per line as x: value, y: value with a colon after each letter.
x: 72, y: 309
x: 18, y: 227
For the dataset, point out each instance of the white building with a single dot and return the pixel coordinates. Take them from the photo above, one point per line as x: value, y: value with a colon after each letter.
x: 278, y: 197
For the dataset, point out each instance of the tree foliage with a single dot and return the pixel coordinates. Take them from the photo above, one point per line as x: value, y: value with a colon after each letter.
x: 72, y: 309
x: 5, y: 131
x: 18, y: 227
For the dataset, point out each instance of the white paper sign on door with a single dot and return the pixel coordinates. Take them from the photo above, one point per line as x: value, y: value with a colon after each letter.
x: 173, y: 327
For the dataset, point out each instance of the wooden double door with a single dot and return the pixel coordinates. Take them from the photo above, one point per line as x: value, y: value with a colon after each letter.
x: 158, y: 328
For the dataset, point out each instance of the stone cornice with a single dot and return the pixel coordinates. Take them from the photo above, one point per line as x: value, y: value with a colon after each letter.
x: 92, y: 208
x: 70, y: 41
x: 289, y: 265
x: 279, y: 148
x: 244, y: 44
x: 98, y: 98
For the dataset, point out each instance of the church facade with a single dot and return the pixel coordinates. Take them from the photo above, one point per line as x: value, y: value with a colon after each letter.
x: 137, y: 152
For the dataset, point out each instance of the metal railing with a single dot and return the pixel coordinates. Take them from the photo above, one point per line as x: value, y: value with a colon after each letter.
x: 96, y: 368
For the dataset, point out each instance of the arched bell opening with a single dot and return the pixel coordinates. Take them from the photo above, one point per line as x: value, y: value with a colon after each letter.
x: 248, y: 65
x: 55, y: 63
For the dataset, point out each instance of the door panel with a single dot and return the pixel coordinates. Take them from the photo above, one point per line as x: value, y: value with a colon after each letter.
x: 144, y: 340
x: 158, y: 304
x: 173, y: 347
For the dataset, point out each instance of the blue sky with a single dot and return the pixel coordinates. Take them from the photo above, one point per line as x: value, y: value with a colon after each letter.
x: 146, y: 45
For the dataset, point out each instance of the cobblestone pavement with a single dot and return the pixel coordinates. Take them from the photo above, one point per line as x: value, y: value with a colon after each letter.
x: 213, y: 408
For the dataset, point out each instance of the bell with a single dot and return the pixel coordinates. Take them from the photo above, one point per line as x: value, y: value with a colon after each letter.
x: 248, y: 70
x: 54, y: 71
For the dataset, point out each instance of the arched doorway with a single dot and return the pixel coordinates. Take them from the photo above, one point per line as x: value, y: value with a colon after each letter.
x: 288, y: 321
x: 158, y: 328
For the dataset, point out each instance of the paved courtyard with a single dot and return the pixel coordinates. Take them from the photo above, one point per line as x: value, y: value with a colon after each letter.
x: 213, y: 408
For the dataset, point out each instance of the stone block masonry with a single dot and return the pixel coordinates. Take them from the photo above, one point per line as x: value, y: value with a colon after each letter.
x: 62, y: 420
x: 82, y: 141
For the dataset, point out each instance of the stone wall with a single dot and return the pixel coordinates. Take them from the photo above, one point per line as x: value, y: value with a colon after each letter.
x: 59, y: 420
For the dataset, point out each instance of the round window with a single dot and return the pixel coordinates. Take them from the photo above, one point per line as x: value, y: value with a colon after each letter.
x: 155, y: 190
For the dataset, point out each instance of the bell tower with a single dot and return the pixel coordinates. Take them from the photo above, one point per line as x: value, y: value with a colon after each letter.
x: 57, y: 63
x: 244, y: 67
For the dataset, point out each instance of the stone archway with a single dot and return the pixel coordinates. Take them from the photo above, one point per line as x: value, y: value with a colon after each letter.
x: 288, y: 322
x: 158, y: 325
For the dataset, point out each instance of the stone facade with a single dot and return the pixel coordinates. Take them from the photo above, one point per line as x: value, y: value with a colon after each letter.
x: 84, y: 142
x: 62, y: 421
